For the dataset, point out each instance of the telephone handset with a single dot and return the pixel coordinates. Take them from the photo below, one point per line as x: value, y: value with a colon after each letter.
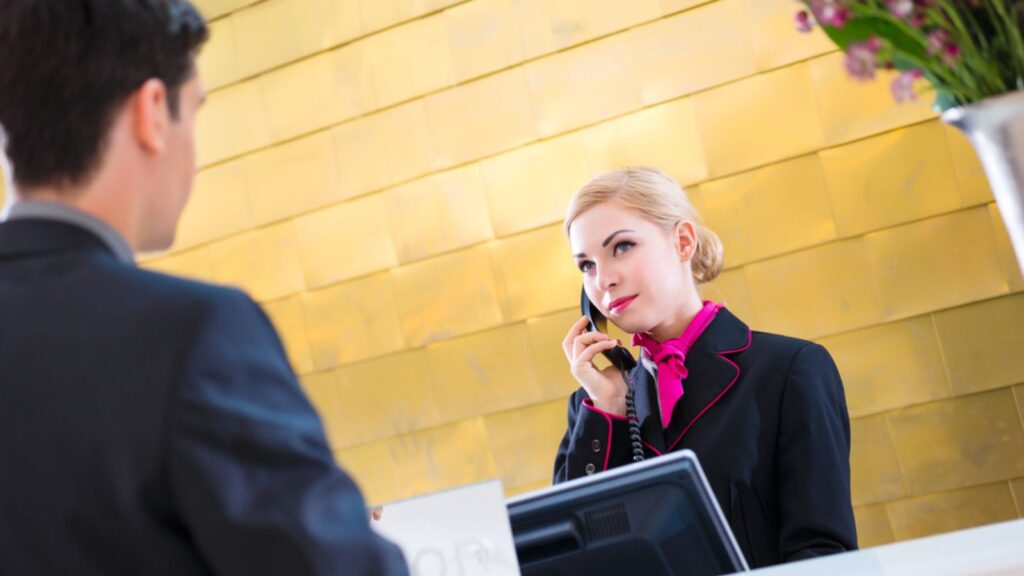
x: 618, y: 356
x: 623, y: 360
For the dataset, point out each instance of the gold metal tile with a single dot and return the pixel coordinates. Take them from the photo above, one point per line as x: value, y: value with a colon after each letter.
x: 934, y: 264
x: 325, y: 396
x: 386, y: 397
x: 359, y: 152
x: 290, y: 324
x: 195, y: 264
x: 216, y: 8
x: 897, y: 177
x: 265, y: 262
x: 663, y: 136
x: 374, y: 469
x: 949, y: 511
x: 270, y: 34
x: 292, y: 178
x: 483, y: 373
x: 480, y: 118
x: 218, y: 60
x: 1018, y: 495
x: 759, y: 120
x: 446, y: 296
x: 1006, y: 254
x: 404, y: 136
x: 439, y: 213
x: 816, y: 292
x: 890, y: 366
x: 970, y: 175
x: 546, y: 335
x: 524, y: 442
x: 353, y: 321
x: 442, y: 458
x: 316, y: 92
x: 873, y: 526
x: 960, y: 442
x: 345, y: 241
x: 531, y: 186
x: 218, y: 207
x: 775, y: 37
x: 982, y: 343
x: 874, y: 466
x: 410, y: 60
x: 691, y: 51
x: 584, y: 85
x: 673, y: 6
x: 231, y: 122
x: 345, y: 21
x: 851, y: 109
x: 600, y: 17
x: 550, y: 25
x: 731, y: 289
x: 535, y: 273
x: 484, y: 37
x: 769, y: 211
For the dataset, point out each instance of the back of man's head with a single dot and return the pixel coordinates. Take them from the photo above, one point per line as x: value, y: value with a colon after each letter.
x: 69, y: 66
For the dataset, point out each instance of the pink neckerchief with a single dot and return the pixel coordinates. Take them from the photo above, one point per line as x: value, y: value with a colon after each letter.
x: 670, y: 357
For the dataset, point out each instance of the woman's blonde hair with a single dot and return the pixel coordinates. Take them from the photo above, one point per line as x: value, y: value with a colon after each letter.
x: 661, y: 200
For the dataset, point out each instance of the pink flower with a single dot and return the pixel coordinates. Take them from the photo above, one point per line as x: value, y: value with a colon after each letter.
x: 861, y: 58
x: 951, y: 54
x: 831, y: 12
x: 903, y: 86
x: 804, y: 23
x: 937, y: 40
x: 901, y: 8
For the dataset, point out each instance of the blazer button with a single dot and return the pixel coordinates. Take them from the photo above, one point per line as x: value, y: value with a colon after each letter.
x: 591, y: 468
x: 596, y: 445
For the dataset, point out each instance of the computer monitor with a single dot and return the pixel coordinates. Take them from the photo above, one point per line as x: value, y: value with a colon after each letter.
x: 657, y: 517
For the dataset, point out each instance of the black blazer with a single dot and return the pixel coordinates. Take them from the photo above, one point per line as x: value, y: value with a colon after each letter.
x: 152, y: 425
x: 766, y: 416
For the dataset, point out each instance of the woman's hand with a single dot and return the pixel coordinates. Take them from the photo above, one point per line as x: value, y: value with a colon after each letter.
x: 606, y: 387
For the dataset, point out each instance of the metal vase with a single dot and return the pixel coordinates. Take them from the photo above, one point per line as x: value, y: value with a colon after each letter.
x: 995, y: 127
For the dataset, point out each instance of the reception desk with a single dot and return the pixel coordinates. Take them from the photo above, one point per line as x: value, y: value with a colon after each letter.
x: 995, y: 550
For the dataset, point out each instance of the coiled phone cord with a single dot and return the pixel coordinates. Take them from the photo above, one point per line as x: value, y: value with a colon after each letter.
x: 634, y: 426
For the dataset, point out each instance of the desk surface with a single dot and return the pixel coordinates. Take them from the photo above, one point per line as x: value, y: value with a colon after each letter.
x: 994, y: 550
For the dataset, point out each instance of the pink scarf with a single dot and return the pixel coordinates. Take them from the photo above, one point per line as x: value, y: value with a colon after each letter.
x: 670, y: 356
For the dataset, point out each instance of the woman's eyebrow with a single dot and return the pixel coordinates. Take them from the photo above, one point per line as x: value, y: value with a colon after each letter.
x: 612, y: 237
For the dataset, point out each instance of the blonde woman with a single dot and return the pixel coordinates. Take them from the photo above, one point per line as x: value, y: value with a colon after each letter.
x: 765, y: 414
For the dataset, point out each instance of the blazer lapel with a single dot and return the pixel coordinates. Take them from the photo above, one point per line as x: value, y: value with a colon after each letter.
x: 711, y: 373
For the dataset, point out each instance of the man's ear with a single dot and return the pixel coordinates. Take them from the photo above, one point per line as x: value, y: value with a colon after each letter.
x: 686, y: 240
x: 151, y: 115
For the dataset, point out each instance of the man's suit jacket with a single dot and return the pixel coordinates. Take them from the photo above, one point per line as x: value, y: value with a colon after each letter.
x: 766, y: 416
x: 152, y: 425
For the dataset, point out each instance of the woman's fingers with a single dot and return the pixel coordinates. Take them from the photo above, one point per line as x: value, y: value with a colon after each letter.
x: 584, y: 340
x: 586, y: 355
x: 578, y: 327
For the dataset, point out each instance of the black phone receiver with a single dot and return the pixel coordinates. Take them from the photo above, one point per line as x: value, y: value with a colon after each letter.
x: 618, y: 356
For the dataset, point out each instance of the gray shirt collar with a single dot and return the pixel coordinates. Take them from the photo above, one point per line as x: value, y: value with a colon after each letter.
x: 32, y: 209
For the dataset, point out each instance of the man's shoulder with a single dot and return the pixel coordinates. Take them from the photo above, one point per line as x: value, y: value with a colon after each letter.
x: 173, y: 294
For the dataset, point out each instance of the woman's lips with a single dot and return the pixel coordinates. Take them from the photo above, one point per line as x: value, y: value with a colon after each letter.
x: 620, y: 304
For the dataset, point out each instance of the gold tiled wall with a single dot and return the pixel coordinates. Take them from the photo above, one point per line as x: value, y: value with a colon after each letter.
x: 388, y: 178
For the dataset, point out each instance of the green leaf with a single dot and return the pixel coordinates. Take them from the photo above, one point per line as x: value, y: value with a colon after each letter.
x: 863, y: 27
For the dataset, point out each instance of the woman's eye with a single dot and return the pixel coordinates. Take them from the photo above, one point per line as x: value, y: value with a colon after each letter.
x: 586, y: 266
x: 623, y: 246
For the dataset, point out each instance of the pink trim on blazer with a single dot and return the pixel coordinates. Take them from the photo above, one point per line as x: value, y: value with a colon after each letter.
x: 608, y: 417
x: 750, y: 340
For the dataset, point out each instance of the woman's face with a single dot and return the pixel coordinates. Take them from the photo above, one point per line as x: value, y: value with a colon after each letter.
x: 635, y: 271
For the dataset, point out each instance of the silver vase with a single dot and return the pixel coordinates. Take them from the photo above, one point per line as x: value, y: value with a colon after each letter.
x: 995, y: 127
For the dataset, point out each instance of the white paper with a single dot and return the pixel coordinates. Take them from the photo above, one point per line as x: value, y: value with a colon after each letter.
x: 459, y: 532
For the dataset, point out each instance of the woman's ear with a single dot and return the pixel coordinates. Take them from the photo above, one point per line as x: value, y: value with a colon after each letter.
x: 686, y: 240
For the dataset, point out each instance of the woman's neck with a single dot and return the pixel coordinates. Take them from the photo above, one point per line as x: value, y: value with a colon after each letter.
x: 674, y: 326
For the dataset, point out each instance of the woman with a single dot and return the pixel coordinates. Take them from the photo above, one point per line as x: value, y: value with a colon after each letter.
x: 765, y: 414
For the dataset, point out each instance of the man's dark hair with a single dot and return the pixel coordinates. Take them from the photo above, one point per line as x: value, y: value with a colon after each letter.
x: 67, y: 66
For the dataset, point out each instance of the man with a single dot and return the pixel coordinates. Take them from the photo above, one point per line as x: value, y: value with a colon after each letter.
x: 148, y: 424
